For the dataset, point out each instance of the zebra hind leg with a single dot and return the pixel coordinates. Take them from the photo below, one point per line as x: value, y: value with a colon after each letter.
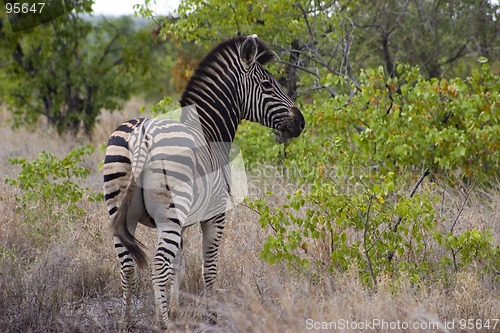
x: 212, y: 234
x: 128, y: 282
x: 169, y: 238
x: 177, y: 276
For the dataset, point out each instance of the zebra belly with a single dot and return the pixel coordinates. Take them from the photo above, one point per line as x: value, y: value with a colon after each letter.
x: 210, y: 198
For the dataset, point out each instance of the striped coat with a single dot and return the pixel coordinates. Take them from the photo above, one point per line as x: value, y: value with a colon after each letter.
x: 171, y: 174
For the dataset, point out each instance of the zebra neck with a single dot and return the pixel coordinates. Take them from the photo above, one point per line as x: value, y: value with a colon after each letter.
x: 217, y: 122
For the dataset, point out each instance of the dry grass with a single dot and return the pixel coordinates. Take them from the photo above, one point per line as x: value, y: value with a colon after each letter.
x: 69, y: 282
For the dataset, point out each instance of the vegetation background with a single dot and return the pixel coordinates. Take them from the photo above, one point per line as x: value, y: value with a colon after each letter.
x: 387, y: 207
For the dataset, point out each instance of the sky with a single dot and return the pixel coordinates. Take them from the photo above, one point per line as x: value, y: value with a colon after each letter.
x: 125, y: 7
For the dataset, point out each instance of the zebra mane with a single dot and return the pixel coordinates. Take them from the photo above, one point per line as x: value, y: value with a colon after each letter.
x: 264, y: 56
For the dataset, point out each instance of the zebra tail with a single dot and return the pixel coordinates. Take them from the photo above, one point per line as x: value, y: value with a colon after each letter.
x: 120, y: 230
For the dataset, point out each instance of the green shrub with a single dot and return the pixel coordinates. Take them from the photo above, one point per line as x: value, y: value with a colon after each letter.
x: 367, y: 170
x: 48, y: 188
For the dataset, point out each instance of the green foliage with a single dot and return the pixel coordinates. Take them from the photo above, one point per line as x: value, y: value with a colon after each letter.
x: 164, y: 107
x: 363, y: 197
x: 7, y: 254
x: 47, y: 186
x: 326, y: 43
x: 469, y: 247
x: 414, y: 123
x: 70, y: 68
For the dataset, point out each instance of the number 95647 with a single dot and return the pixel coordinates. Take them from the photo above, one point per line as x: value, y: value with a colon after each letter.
x: 24, y: 8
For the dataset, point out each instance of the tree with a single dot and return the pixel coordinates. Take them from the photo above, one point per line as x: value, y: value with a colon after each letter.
x: 70, y: 68
x: 313, y: 38
x: 444, y: 38
x: 328, y: 42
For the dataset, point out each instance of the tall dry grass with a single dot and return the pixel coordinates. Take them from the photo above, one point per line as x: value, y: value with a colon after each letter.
x: 68, y: 282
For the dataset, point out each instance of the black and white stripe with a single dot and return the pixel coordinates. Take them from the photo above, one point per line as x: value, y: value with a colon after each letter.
x: 171, y: 174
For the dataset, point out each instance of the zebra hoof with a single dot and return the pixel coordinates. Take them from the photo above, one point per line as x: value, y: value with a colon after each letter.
x: 211, y: 319
x: 163, y: 325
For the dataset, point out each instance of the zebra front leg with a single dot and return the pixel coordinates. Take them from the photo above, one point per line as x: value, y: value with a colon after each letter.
x: 212, y: 234
x: 169, y: 237
x: 128, y: 282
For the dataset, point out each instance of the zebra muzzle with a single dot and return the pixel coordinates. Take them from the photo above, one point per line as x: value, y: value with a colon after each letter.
x: 292, y: 127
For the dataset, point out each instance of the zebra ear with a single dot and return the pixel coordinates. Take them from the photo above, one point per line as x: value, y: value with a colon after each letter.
x: 248, y: 51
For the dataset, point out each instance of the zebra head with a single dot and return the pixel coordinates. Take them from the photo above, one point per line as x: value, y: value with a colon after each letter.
x: 268, y: 104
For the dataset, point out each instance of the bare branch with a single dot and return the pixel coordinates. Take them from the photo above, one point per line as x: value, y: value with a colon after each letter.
x: 305, y: 16
x: 467, y: 195
x: 347, y: 48
x: 460, y: 53
x: 412, y: 193
x: 304, y: 69
x: 108, y: 49
x: 365, y: 242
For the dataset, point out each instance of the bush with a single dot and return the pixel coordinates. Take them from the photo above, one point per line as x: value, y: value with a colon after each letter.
x: 48, y: 187
x: 368, y: 170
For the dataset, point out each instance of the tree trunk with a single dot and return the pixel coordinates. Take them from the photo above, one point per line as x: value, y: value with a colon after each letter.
x: 389, y: 65
x: 291, y: 70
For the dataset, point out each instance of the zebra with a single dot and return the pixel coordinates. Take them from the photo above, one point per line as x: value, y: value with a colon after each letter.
x: 169, y: 174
